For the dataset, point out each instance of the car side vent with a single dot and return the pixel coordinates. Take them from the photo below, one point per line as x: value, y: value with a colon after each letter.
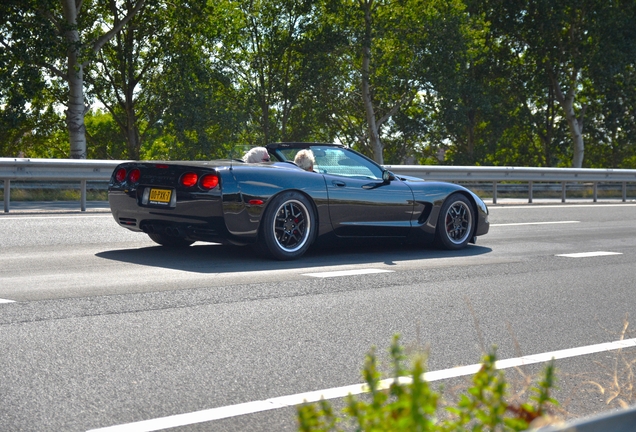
x: 128, y: 221
x: 426, y: 212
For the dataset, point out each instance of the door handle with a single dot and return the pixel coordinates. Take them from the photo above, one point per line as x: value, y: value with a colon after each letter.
x: 338, y: 183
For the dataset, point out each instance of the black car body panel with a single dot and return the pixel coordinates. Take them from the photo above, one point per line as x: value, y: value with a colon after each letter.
x: 349, y: 196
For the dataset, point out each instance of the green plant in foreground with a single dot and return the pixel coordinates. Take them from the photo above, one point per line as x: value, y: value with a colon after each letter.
x: 409, y: 403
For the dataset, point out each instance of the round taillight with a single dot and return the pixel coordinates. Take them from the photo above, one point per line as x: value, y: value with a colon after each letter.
x: 120, y: 175
x: 209, y: 181
x: 134, y: 175
x: 189, y: 179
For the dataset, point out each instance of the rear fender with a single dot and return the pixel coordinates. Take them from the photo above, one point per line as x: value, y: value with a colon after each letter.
x: 253, y: 188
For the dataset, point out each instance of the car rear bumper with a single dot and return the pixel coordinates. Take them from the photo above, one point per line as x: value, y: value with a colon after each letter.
x: 191, y: 219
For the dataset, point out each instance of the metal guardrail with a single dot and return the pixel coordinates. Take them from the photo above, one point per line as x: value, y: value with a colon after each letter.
x: 54, y: 170
x: 521, y: 174
x: 15, y: 169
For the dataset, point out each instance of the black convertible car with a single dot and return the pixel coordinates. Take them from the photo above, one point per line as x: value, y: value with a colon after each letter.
x: 282, y: 210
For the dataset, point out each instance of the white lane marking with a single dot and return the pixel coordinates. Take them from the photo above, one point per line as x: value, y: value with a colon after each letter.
x: 588, y: 254
x: 54, y: 217
x: 6, y: 301
x: 340, y: 392
x: 543, y: 206
x: 535, y: 223
x: 346, y: 273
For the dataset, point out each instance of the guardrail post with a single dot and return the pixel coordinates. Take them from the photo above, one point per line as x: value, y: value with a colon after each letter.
x: 563, y: 192
x: 83, y: 195
x: 7, y: 195
x: 624, y: 191
x: 494, y: 192
x: 595, y: 189
x: 530, y: 192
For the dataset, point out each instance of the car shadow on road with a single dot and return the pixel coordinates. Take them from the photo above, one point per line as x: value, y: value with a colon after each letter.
x: 216, y: 258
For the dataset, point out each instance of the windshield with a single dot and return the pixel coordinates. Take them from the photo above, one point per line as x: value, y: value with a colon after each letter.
x: 338, y: 161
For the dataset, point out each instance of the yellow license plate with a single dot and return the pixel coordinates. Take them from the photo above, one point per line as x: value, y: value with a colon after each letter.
x: 160, y: 196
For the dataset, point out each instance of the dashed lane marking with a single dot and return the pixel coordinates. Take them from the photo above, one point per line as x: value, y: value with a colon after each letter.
x: 588, y: 254
x: 6, y: 301
x: 340, y: 392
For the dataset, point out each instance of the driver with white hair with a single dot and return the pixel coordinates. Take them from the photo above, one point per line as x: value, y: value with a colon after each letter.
x: 305, y: 159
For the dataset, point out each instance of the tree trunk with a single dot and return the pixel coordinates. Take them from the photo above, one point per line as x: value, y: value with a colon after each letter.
x: 367, y: 99
x: 76, y: 108
x: 470, y: 135
x: 132, y: 131
x: 575, y: 124
x: 546, y: 134
x: 265, y: 121
x: 265, y: 92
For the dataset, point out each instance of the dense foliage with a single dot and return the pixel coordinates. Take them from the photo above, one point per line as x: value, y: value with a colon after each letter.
x: 409, y: 403
x: 536, y: 82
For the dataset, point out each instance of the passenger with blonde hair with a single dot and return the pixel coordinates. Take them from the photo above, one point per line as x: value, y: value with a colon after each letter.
x: 305, y: 159
x: 256, y: 155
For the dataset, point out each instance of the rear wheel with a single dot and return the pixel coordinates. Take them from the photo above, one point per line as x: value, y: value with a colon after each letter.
x: 169, y: 241
x: 456, y: 223
x: 288, y: 226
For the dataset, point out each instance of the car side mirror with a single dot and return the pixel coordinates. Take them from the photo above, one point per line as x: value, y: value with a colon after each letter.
x: 387, y: 176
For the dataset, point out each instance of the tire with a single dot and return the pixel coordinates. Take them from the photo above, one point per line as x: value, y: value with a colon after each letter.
x: 288, y: 226
x: 456, y: 223
x: 169, y: 241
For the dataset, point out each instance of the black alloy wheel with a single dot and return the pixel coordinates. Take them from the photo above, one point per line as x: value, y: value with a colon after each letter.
x: 288, y: 226
x: 456, y: 223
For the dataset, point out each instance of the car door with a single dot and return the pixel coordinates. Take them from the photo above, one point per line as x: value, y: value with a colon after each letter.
x: 361, y: 203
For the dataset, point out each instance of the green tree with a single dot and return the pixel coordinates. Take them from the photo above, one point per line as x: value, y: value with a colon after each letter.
x: 103, y: 136
x: 565, y: 40
x: 119, y: 75
x: 157, y: 81
x: 26, y: 114
x: 377, y: 64
x: 612, y: 96
x: 271, y: 49
x: 394, y: 57
x: 461, y: 99
x: 202, y: 116
x: 57, y: 39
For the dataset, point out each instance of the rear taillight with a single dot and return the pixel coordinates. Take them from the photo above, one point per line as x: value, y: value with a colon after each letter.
x: 209, y: 181
x: 120, y: 175
x: 189, y: 179
x: 134, y: 175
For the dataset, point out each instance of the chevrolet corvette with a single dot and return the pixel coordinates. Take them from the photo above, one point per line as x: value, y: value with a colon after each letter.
x: 282, y: 209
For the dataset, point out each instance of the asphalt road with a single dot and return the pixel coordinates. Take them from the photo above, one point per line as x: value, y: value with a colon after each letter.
x: 99, y: 327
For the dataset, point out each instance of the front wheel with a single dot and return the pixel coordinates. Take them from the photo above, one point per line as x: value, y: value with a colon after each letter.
x: 456, y: 223
x: 288, y: 226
